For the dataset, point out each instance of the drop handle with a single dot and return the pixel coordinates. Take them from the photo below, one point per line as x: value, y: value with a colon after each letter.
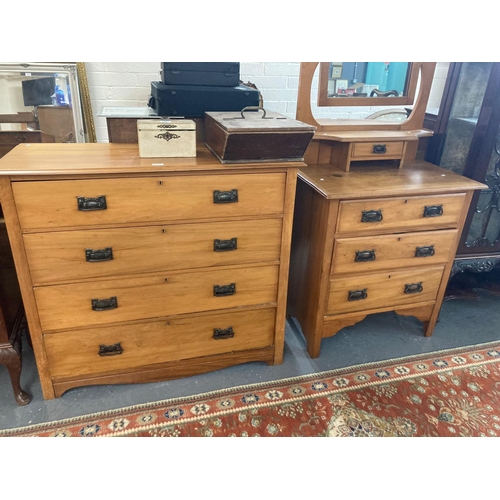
x: 371, y: 216
x: 223, y: 333
x: 110, y: 350
x: 427, y: 251
x: 225, y: 245
x: 101, y: 255
x: 104, y: 304
x: 224, y: 290
x: 357, y: 294
x: 364, y: 256
x: 433, y: 211
x: 226, y: 196
x: 414, y: 287
x: 90, y: 204
x: 379, y: 149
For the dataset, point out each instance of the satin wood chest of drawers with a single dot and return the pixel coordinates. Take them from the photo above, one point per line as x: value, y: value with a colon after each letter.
x: 371, y: 240
x: 138, y: 270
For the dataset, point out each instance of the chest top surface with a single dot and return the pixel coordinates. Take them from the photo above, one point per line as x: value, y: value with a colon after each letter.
x: 418, y: 177
x: 110, y: 158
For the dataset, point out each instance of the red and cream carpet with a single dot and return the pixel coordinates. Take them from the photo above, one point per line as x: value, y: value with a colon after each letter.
x: 454, y: 392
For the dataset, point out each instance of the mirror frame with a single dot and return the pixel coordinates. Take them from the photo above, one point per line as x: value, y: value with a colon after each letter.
x: 77, y: 78
x: 88, y: 117
x: 415, y: 121
x: 324, y: 100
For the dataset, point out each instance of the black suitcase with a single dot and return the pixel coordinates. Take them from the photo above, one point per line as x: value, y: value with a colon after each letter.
x: 221, y: 74
x: 193, y: 100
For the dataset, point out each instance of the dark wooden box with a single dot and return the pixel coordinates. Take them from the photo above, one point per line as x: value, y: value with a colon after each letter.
x: 254, y: 135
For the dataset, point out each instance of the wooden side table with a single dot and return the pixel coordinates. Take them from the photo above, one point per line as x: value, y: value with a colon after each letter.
x: 121, y: 123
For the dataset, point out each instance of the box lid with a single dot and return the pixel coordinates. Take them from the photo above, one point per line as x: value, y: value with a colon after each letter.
x: 254, y: 119
x: 166, y: 123
x: 217, y: 67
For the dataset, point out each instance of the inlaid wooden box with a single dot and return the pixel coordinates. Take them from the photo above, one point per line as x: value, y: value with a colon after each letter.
x: 165, y: 138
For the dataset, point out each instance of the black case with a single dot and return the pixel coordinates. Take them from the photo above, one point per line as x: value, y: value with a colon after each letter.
x: 193, y: 100
x: 221, y: 74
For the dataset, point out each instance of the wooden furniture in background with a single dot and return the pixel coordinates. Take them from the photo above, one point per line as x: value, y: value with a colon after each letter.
x: 124, y: 130
x: 11, y: 138
x: 373, y: 240
x: 121, y: 122
x: 12, y: 320
x: 57, y: 121
x: 25, y: 118
x: 138, y: 270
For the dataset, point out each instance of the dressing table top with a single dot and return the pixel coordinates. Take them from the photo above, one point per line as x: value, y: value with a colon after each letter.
x: 418, y: 177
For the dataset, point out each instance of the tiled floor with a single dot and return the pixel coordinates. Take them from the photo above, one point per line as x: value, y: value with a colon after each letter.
x: 378, y: 337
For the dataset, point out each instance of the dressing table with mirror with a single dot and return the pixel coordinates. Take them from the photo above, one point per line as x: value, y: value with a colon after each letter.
x: 374, y: 230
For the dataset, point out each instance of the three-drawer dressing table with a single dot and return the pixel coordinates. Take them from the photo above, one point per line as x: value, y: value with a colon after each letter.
x: 138, y: 270
x: 374, y: 229
x: 373, y: 240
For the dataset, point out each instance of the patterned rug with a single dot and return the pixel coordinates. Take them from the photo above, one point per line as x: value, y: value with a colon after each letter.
x: 454, y: 392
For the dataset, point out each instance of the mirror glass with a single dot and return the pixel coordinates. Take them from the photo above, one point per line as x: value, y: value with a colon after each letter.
x: 40, y: 102
x: 367, y: 79
x: 367, y: 83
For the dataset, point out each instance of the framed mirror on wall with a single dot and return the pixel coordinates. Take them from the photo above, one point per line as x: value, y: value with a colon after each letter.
x: 44, y: 102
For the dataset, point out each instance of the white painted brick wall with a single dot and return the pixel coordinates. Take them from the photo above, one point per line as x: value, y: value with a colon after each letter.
x: 129, y: 84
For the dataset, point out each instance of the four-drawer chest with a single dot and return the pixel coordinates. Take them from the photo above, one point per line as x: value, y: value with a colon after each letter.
x: 137, y: 270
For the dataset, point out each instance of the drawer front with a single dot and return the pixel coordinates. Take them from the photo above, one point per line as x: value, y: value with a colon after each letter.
x: 71, y: 255
x: 104, y: 349
x: 400, y: 214
x: 394, y: 251
x: 98, y: 303
x: 377, y: 149
x: 373, y: 291
x: 73, y: 203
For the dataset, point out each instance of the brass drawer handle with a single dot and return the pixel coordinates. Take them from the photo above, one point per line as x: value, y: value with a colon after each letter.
x: 371, y: 216
x: 414, y: 287
x: 224, y: 290
x: 364, y: 256
x: 104, y: 304
x: 223, y: 333
x: 379, y: 149
x: 90, y: 204
x: 98, y: 255
x: 357, y: 294
x: 225, y: 245
x: 110, y: 350
x: 425, y: 251
x: 433, y: 211
x: 226, y: 196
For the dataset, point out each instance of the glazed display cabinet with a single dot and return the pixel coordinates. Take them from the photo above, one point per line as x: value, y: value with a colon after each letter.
x: 467, y: 141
